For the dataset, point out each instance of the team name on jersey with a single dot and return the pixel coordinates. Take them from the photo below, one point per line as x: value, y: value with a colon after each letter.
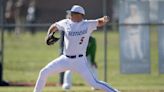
x: 78, y: 33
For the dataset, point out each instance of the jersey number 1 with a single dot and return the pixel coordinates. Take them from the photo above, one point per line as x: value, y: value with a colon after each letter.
x: 81, y: 40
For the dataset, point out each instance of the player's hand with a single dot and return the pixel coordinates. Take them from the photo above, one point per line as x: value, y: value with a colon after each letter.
x: 102, y: 21
x: 106, y: 19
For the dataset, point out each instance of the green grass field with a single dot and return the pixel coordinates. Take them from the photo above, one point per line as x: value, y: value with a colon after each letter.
x: 26, y: 54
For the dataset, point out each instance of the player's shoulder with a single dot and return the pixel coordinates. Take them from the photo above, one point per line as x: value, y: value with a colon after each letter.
x: 64, y: 20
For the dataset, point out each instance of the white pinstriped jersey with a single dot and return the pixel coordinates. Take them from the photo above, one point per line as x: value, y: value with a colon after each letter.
x: 76, y: 35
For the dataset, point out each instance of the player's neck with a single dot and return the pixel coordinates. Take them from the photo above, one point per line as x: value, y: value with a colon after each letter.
x: 76, y: 19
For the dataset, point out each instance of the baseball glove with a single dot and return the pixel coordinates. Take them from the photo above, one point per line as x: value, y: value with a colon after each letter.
x: 50, y: 40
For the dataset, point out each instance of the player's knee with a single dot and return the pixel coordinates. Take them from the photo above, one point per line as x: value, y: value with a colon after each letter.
x: 43, y: 73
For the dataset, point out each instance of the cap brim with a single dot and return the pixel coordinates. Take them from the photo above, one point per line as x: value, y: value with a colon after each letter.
x: 68, y: 11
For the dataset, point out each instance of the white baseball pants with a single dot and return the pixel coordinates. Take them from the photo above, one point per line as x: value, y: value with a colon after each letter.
x: 67, y: 83
x: 78, y: 65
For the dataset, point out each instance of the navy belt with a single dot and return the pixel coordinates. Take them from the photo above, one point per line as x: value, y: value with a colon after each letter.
x: 74, y: 56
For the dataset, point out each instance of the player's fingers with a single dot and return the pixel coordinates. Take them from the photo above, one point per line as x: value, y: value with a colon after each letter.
x: 106, y: 18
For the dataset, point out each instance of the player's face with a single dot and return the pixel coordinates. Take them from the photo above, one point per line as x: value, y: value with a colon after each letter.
x: 76, y: 17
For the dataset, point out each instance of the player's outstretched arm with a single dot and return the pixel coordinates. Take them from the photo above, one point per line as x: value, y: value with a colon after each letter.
x: 102, y: 21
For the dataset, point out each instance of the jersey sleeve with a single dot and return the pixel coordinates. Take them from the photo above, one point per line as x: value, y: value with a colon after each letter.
x: 92, y: 25
x: 60, y: 25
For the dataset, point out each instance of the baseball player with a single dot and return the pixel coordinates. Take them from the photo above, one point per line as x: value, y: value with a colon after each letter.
x: 90, y: 53
x: 77, y: 33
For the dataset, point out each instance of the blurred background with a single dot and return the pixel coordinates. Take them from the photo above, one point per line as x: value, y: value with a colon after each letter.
x: 130, y: 49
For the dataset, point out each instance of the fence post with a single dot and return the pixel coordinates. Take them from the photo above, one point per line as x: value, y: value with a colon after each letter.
x: 105, y: 43
x: 2, y: 83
